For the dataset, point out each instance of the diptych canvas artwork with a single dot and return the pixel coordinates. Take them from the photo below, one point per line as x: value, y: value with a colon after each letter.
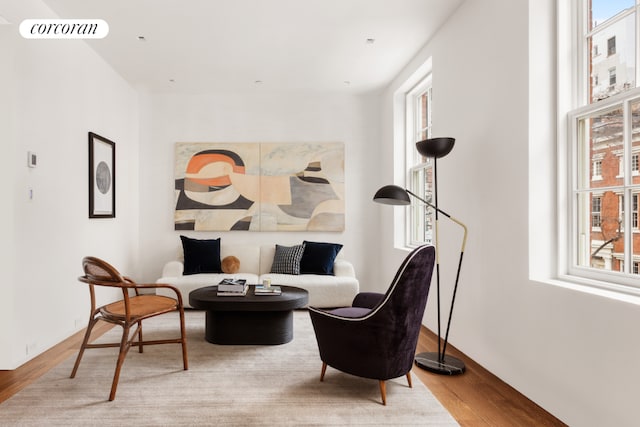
x: 259, y: 186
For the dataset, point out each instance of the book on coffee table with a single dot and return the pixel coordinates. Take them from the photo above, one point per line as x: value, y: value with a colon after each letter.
x: 233, y: 285
x: 271, y: 290
x: 240, y: 293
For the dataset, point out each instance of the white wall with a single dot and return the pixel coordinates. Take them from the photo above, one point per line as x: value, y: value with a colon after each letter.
x: 59, y: 91
x: 7, y: 170
x: 258, y: 117
x: 572, y: 352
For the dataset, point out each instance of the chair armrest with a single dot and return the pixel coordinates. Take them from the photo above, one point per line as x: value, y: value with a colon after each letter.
x: 342, y: 267
x: 160, y: 285
x: 367, y: 299
x: 173, y: 269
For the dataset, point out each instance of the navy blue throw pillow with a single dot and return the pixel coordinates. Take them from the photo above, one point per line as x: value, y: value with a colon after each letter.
x: 201, y: 256
x: 318, y: 258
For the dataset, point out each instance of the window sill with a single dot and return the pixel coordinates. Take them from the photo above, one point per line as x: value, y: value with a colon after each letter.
x: 599, y: 288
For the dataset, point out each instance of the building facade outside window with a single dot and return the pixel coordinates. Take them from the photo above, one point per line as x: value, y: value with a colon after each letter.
x: 604, y: 143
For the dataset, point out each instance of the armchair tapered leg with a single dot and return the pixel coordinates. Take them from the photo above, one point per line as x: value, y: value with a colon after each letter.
x: 140, y: 336
x: 409, y: 379
x: 85, y: 341
x: 183, y: 335
x: 383, y: 391
x: 324, y: 369
x: 124, y: 348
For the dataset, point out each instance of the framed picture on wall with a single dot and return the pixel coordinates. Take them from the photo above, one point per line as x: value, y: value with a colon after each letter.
x: 102, y: 177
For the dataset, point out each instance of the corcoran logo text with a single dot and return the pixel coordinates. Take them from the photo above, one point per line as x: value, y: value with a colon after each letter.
x: 64, y: 28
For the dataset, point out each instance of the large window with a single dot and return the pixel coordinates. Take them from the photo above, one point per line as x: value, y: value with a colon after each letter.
x: 604, y: 144
x: 420, y: 179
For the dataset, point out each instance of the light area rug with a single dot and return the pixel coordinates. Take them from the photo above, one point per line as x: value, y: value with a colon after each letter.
x: 224, y: 386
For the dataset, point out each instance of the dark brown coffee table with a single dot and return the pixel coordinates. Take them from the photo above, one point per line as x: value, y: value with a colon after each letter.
x: 249, y: 319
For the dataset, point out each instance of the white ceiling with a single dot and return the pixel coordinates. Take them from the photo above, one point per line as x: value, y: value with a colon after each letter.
x: 212, y: 45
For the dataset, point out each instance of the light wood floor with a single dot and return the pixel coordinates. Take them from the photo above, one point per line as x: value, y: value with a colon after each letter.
x: 476, y: 398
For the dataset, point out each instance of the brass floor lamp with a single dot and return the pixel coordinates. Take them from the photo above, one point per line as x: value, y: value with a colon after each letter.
x: 439, y: 362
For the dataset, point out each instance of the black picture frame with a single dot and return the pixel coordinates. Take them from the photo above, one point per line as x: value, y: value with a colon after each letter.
x: 102, y: 177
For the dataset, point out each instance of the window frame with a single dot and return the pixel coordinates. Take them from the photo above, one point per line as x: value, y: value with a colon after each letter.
x: 613, y: 76
x: 624, y: 101
x: 418, y: 217
x: 596, y: 170
x: 611, y: 47
x: 596, y: 213
x: 404, y: 148
x: 635, y: 202
x: 580, y: 106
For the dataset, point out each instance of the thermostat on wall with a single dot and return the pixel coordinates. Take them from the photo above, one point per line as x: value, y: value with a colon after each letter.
x: 32, y: 159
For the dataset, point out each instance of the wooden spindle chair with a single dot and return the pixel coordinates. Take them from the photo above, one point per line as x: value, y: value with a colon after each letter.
x: 129, y: 312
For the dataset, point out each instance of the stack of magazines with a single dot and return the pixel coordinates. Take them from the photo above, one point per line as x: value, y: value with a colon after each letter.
x: 232, y: 288
x: 271, y: 290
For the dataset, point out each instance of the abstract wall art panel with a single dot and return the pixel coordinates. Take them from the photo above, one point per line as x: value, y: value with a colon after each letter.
x: 259, y: 186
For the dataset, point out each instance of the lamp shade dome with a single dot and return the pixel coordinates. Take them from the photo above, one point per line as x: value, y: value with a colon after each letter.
x: 435, y: 147
x: 392, y: 195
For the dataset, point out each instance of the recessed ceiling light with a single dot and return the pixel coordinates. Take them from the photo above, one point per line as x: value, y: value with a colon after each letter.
x: 370, y: 40
x: 142, y: 39
x: 258, y: 82
x: 172, y: 80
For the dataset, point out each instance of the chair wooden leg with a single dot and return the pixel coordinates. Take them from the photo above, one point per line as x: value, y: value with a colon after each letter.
x: 383, y: 391
x: 124, y: 347
x: 409, y: 379
x: 140, y: 336
x: 85, y: 341
x: 324, y: 370
x: 183, y: 335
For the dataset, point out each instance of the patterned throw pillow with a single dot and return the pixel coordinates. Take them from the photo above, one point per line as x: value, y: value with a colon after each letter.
x: 287, y: 259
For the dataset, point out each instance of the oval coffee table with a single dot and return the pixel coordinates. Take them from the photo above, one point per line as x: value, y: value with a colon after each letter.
x: 249, y: 319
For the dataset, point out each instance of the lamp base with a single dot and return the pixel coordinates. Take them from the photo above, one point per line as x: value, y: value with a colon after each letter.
x: 431, y: 362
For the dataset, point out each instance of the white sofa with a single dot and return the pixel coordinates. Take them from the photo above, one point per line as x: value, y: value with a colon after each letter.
x: 255, y: 265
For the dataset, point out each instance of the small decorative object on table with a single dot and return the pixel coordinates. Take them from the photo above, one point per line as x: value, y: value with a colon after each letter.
x: 270, y: 290
x: 232, y: 287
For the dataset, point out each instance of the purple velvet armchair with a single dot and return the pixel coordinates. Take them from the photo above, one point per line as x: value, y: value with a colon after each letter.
x: 377, y: 336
